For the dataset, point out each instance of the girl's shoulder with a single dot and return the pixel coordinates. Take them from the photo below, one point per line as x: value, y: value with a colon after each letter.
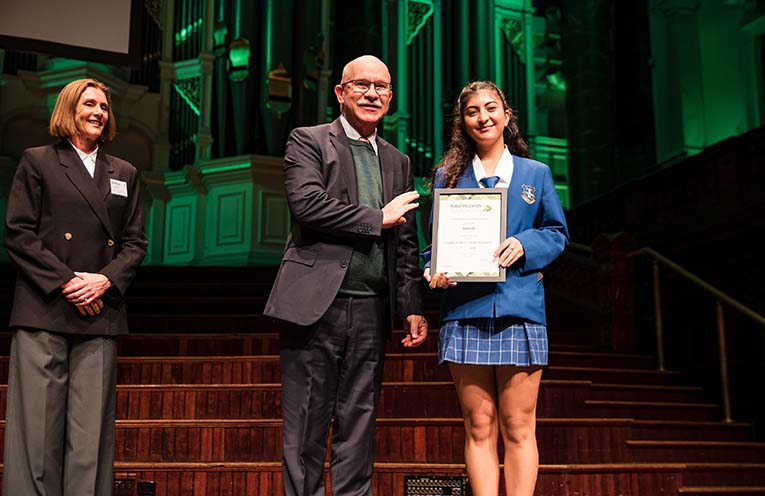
x: 530, y: 163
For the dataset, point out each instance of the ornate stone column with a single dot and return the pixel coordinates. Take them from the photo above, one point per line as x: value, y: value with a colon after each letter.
x: 161, y: 151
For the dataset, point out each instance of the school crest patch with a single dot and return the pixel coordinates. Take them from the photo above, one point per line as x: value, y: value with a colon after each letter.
x: 527, y: 193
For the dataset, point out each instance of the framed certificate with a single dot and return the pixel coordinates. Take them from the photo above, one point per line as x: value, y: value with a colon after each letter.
x: 468, y: 225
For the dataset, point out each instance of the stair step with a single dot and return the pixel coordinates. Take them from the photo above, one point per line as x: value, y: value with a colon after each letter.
x: 181, y: 322
x: 653, y: 410
x: 196, y: 304
x: 264, y: 478
x: 646, y: 392
x: 721, y: 490
x: 205, y: 275
x: 697, y: 451
x: 557, y: 398
x: 685, y: 429
x: 409, y: 440
x: 398, y: 367
x: 559, y: 345
x: 404, y: 440
x: 198, y: 345
x: 209, y: 288
x: 620, y: 375
x: 237, y: 401
x: 585, y: 358
x: 724, y: 474
x: 266, y: 341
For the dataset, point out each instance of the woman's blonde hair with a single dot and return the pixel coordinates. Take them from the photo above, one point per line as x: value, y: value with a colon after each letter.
x: 63, y: 123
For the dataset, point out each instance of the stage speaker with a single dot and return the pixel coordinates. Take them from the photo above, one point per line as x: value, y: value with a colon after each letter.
x: 434, y: 485
x: 146, y: 488
x: 124, y: 487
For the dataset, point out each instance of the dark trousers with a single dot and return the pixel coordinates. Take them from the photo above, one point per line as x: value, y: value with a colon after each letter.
x: 59, y: 428
x: 332, y: 369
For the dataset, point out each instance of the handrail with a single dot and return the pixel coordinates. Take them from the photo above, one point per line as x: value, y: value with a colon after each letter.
x: 580, y: 247
x: 720, y: 299
x: 759, y: 319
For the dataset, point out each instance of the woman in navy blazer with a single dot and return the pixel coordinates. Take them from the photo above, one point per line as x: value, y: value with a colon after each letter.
x: 493, y: 335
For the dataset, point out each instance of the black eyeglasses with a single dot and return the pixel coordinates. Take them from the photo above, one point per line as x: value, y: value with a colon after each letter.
x: 362, y: 86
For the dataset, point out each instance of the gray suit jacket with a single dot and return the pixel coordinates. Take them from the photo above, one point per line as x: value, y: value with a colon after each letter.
x: 320, y: 179
x: 60, y: 220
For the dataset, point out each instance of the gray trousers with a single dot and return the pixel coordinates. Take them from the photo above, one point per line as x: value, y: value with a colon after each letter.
x: 59, y: 428
x: 332, y: 369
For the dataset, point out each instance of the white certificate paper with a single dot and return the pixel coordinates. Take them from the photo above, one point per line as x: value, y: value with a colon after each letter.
x: 468, y: 225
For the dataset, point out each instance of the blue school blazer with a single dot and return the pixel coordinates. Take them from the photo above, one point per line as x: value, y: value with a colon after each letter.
x: 535, y: 217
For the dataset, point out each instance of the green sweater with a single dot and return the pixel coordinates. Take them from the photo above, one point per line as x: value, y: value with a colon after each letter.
x: 366, y: 273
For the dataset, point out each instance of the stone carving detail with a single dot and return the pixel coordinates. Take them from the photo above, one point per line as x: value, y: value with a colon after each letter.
x: 512, y: 28
x: 190, y: 90
x: 419, y: 12
x: 154, y: 8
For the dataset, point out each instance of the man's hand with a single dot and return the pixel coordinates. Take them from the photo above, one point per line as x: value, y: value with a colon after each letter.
x: 417, y: 327
x: 440, y: 280
x: 394, y: 211
x: 85, y: 288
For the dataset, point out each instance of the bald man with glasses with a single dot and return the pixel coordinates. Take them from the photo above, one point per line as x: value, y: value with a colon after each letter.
x: 350, y: 269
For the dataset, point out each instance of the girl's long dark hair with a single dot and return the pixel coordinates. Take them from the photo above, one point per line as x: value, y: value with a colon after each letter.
x: 461, y: 150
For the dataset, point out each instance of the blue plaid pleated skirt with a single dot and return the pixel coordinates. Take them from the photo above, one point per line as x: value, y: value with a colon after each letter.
x: 493, y: 341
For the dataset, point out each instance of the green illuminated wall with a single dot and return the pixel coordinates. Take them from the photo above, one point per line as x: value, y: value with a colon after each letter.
x: 435, y: 47
x: 706, y: 70
x: 606, y: 91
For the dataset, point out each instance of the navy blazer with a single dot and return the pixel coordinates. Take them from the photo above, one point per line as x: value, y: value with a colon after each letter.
x: 322, y: 193
x: 535, y: 217
x: 60, y: 220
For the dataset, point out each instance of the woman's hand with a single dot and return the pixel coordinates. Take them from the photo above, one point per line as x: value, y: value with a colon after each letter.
x: 509, y: 252
x: 92, y: 308
x: 440, y: 280
x: 85, y: 288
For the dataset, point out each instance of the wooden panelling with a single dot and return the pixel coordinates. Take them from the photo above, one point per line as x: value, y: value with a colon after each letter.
x: 212, y: 441
x: 212, y: 370
x: 180, y: 228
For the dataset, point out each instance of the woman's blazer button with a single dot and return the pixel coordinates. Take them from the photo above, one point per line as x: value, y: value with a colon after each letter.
x: 110, y: 242
x: 67, y: 236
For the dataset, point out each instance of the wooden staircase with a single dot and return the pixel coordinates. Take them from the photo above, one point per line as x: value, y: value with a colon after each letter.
x: 198, y: 406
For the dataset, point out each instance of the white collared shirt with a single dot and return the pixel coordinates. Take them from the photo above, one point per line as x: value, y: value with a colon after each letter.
x: 88, y: 159
x: 351, y: 132
x: 504, y: 170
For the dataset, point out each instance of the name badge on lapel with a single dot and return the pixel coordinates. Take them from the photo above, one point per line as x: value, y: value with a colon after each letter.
x: 119, y: 188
